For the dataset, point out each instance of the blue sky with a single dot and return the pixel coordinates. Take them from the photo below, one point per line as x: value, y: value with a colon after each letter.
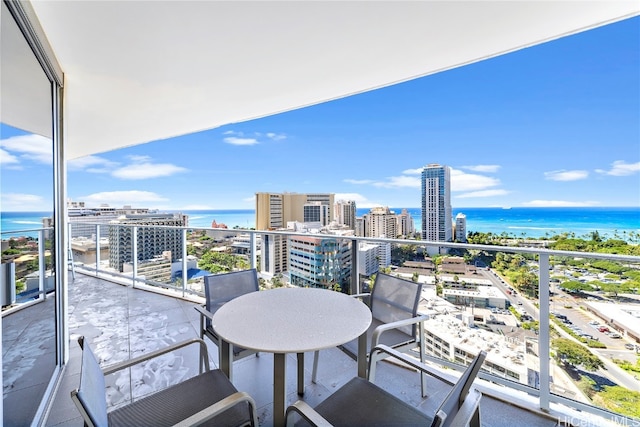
x: 556, y: 124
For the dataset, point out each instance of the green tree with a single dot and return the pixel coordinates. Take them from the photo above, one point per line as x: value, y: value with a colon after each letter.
x: 571, y: 352
x: 575, y: 286
x: 620, y: 400
x: 276, y: 281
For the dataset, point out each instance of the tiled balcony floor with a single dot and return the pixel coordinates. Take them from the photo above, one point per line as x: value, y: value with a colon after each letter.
x: 120, y: 322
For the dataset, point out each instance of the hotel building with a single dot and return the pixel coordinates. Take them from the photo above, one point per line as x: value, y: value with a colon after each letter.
x: 449, y: 338
x: 436, y: 203
x: 275, y: 210
x: 406, y: 227
x: 461, y: 228
x: 381, y: 222
x: 152, y: 239
x: 345, y: 213
x: 320, y: 262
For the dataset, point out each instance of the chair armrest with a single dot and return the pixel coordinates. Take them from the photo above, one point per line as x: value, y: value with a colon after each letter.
x: 375, y: 339
x: 375, y: 356
x: 364, y: 297
x: 204, y: 356
x: 219, y: 407
x: 365, y: 294
x: 307, y: 412
x: 204, y: 312
x: 467, y: 412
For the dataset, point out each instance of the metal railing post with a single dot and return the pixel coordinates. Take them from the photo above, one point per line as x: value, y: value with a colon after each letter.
x: 185, y: 276
x: 97, y: 249
x: 355, y: 271
x: 42, y: 265
x: 253, y: 248
x: 134, y: 255
x: 543, y: 342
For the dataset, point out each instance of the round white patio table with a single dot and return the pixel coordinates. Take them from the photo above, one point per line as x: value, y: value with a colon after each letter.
x: 290, y: 320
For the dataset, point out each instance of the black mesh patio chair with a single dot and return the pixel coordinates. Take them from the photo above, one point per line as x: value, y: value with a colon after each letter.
x: 220, y: 289
x: 360, y: 402
x: 395, y: 319
x: 208, y: 398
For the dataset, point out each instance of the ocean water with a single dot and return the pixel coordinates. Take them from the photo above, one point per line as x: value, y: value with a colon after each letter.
x: 518, y: 222
x: 14, y: 224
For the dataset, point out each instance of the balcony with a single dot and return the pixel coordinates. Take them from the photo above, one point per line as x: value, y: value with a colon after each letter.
x: 123, y: 315
x: 122, y: 322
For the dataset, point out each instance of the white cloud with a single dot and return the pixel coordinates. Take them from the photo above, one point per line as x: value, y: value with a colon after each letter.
x: 416, y: 171
x: 482, y: 168
x: 30, y: 147
x: 361, y: 201
x: 276, y: 136
x: 7, y: 158
x: 483, y: 193
x: 136, y: 158
x: 121, y: 198
x: 240, y: 141
x: 146, y: 171
x: 564, y: 175
x: 93, y: 164
x: 21, y: 201
x: 358, y: 181
x: 621, y: 168
x: 558, y: 203
x: 462, y: 181
x: 399, y: 181
x: 252, y: 138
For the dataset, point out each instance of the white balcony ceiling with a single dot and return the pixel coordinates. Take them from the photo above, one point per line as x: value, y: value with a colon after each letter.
x: 139, y: 71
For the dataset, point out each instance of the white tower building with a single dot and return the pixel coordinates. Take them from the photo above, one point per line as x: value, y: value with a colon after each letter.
x: 436, y: 203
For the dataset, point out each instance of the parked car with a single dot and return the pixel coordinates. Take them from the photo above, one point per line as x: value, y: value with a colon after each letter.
x: 615, y: 335
x: 603, y: 329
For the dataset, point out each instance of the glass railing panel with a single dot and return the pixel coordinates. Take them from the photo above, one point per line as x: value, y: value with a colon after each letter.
x: 594, y: 317
x: 488, y: 298
x: 25, y: 255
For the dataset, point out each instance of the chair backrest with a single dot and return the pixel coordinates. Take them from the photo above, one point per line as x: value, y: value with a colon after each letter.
x: 222, y: 288
x: 393, y: 299
x: 458, y: 393
x: 90, y: 396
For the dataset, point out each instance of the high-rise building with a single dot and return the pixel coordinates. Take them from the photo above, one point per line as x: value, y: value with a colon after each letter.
x: 152, y: 240
x: 319, y: 262
x: 436, y: 203
x: 316, y: 212
x: 406, y: 226
x: 381, y: 222
x: 274, y: 210
x: 461, y: 228
x: 83, y: 219
x: 273, y: 254
x: 345, y: 213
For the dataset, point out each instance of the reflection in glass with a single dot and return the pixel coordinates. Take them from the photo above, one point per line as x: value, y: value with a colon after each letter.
x: 26, y: 183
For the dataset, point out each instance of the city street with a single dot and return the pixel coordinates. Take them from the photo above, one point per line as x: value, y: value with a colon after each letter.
x: 565, y: 304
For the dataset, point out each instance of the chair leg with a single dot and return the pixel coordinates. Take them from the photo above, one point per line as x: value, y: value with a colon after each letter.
x: 314, y: 373
x: 475, y: 420
x: 300, y: 374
